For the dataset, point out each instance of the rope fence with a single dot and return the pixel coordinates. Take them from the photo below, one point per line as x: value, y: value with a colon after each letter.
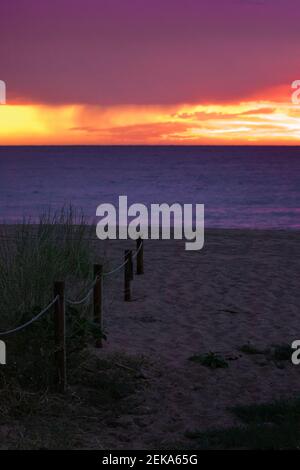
x: 28, y: 323
x: 96, y: 289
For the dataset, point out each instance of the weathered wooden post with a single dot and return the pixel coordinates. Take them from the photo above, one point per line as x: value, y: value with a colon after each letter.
x: 127, y: 277
x: 131, y: 265
x: 60, y: 337
x: 140, y: 256
x: 98, y: 300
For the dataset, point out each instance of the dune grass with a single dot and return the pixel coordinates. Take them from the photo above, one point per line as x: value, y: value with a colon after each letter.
x: 100, y: 392
x: 277, y: 353
x: 251, y: 349
x: 273, y: 425
x: 32, y: 257
x: 211, y: 360
x: 276, y: 412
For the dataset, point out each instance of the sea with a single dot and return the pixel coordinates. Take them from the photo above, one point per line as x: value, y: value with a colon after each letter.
x: 240, y: 186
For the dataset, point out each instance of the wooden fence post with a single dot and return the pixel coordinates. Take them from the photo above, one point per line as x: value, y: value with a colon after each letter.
x: 140, y: 256
x: 98, y: 301
x: 127, y: 277
x: 131, y: 265
x: 60, y: 337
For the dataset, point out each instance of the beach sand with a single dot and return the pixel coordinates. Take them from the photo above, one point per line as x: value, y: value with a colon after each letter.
x: 243, y: 287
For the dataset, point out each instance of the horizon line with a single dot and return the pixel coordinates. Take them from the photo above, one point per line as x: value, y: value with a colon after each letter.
x: 150, y: 145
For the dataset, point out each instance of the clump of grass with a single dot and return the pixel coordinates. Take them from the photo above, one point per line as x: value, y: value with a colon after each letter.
x: 31, y: 259
x: 251, y: 349
x: 50, y: 434
x: 262, y: 437
x: 211, y: 360
x: 36, y: 256
x: 276, y: 412
x: 281, y: 352
x: 272, y: 425
x: 38, y: 420
x: 111, y: 379
x: 276, y: 353
x: 100, y: 388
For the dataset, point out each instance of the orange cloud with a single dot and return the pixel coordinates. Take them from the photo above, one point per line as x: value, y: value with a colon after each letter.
x: 257, y: 121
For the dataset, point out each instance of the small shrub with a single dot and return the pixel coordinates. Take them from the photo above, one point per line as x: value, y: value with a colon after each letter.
x: 276, y: 412
x: 211, y: 360
x: 281, y: 352
x: 272, y: 425
x: 255, y: 437
x: 251, y: 350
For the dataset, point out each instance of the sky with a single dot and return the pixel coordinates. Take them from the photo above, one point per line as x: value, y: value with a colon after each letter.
x: 149, y: 71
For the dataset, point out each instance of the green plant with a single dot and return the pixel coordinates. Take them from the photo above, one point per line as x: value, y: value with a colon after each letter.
x: 211, y: 360
x: 276, y: 412
x: 281, y: 352
x: 263, y: 437
x: 251, y: 350
x: 272, y: 425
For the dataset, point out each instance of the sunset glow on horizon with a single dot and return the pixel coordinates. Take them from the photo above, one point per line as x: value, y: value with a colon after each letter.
x: 251, y: 122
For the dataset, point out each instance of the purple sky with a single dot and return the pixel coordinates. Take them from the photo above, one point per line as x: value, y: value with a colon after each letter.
x: 147, y: 51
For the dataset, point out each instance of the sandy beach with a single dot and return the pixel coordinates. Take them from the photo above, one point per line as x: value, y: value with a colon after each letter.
x: 241, y: 288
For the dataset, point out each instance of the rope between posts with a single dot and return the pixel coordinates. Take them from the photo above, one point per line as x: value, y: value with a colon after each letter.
x: 137, y: 251
x: 85, y: 298
x: 69, y: 301
x: 124, y: 263
x: 34, y: 319
x: 116, y: 269
x: 59, y: 318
